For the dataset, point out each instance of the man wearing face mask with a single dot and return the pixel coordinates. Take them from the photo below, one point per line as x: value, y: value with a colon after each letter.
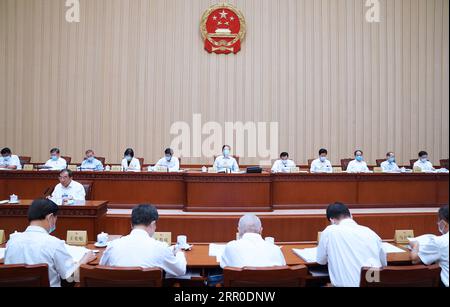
x: 390, y: 166
x: 37, y: 246
x: 68, y: 190
x: 283, y: 165
x: 226, y: 163
x: 56, y: 163
x: 435, y: 249
x: 139, y: 249
x: 321, y: 165
x: 423, y: 163
x: 358, y: 165
x: 347, y: 247
x: 172, y: 163
x: 8, y: 160
x: 90, y: 163
x: 129, y: 162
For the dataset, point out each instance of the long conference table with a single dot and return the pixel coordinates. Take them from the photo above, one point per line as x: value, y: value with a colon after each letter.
x: 193, y: 191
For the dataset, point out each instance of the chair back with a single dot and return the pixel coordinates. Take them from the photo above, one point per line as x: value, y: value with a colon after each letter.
x: 401, y: 276
x: 68, y: 159
x: 102, y: 276
x: 344, y: 163
x: 411, y: 163
x: 24, y: 275
x: 87, y: 185
x: 101, y: 159
x: 379, y: 161
x: 444, y: 163
x: 310, y: 161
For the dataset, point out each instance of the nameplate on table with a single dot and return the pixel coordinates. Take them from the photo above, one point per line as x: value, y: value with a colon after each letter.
x: 76, y: 237
x: 337, y: 169
x: 165, y: 237
x: 116, y: 168
x: 212, y: 170
x: 28, y: 167
x: 295, y: 170
x: 72, y: 167
x: 2, y: 237
x: 402, y: 236
x: 161, y: 169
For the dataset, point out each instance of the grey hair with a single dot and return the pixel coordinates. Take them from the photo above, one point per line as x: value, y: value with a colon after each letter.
x: 249, y: 223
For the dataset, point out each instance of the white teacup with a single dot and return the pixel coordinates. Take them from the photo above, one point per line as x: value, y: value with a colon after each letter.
x: 13, y: 198
x: 270, y: 240
x: 182, y: 241
x: 102, y: 238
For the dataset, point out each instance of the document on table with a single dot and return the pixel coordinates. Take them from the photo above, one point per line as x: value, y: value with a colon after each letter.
x: 2, y: 253
x: 390, y: 249
x: 77, y: 252
x: 216, y: 250
x: 307, y: 254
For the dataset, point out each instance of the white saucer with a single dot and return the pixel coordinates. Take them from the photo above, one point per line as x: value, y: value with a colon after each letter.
x: 96, y: 244
x: 14, y: 202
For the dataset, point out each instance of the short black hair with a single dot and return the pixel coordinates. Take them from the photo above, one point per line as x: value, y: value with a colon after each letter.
x: 284, y: 154
x: 6, y: 151
x: 358, y: 150
x: 144, y: 215
x: 89, y: 151
x: 68, y: 171
x: 223, y: 147
x: 389, y: 153
x: 129, y: 152
x: 323, y: 151
x: 443, y: 213
x: 337, y: 211
x: 40, y: 208
x: 168, y: 151
x: 423, y: 153
x: 54, y: 150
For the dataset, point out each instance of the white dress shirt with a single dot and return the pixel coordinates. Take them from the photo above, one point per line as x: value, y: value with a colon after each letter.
x: 74, y: 189
x: 94, y: 165
x: 138, y: 249
x: 223, y: 163
x: 390, y: 167
x: 173, y: 165
x: 13, y: 160
x: 135, y: 165
x: 318, y: 166
x: 357, y: 167
x: 436, y: 250
x: 424, y: 166
x: 251, y: 251
x: 36, y: 246
x: 347, y: 248
x: 283, y: 166
x: 57, y: 165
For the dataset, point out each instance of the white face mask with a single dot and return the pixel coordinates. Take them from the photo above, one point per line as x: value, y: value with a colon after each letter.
x: 441, y: 227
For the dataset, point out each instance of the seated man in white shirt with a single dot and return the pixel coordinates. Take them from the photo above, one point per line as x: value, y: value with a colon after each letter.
x: 139, y: 249
x: 226, y: 163
x: 423, y: 163
x: 251, y: 250
x: 435, y: 250
x: 347, y: 247
x: 321, y: 165
x: 358, y: 165
x: 90, y: 163
x: 37, y: 246
x: 284, y: 165
x: 67, y: 191
x: 169, y: 161
x: 56, y: 163
x: 129, y: 162
x: 8, y: 160
x: 390, y: 166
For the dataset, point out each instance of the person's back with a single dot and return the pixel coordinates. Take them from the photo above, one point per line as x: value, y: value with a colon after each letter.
x: 251, y: 251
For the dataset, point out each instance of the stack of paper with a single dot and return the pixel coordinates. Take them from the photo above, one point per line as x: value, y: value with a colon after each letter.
x: 216, y: 250
x: 307, y: 254
x: 390, y: 249
x: 77, y: 252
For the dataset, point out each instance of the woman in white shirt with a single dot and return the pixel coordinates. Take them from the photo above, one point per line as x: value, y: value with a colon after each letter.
x: 358, y: 165
x: 129, y: 162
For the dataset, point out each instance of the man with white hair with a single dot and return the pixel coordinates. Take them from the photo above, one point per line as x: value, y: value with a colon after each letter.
x: 251, y: 250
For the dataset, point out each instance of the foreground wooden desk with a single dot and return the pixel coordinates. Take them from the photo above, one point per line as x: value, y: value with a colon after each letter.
x: 195, y: 191
x: 82, y: 216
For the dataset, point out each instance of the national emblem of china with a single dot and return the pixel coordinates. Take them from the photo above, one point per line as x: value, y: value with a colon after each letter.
x: 223, y: 29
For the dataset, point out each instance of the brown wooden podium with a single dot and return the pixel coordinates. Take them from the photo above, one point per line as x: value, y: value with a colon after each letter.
x: 89, y: 216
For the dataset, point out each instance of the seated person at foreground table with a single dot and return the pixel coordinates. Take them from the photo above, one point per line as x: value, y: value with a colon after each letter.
x: 358, y: 165
x: 37, y: 246
x: 434, y: 249
x: 129, y: 162
x: 251, y: 250
x: 347, y: 247
x: 139, y: 249
x: 321, y: 165
x: 68, y: 190
x: 56, y: 163
x: 90, y: 163
x: 283, y: 165
x: 172, y: 163
x: 8, y: 160
x: 423, y: 163
x: 226, y: 163
x: 390, y: 166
